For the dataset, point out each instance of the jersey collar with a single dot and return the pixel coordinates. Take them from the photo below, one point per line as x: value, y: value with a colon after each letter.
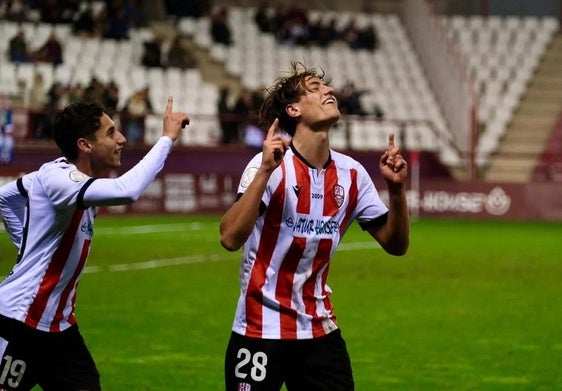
x: 297, y: 154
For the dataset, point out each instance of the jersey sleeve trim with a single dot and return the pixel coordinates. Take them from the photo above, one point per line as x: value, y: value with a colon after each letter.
x: 375, y: 223
x: 80, y: 198
x: 21, y: 188
x: 263, y: 206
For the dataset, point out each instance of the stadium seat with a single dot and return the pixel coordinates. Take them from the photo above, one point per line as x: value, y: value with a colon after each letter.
x: 502, y: 54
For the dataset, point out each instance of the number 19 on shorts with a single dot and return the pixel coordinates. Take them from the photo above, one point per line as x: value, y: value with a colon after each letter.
x: 13, y: 371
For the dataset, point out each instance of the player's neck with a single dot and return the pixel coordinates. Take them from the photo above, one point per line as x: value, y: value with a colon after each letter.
x: 313, y: 146
x: 85, y: 166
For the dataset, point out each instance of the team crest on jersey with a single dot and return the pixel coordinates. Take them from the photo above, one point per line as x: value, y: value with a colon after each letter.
x: 248, y: 176
x: 77, y: 176
x: 339, y: 195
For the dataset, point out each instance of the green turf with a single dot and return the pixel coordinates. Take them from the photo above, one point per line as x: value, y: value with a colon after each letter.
x: 472, y: 306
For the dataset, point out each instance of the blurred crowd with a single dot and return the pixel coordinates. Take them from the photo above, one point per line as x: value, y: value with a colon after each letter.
x: 114, y: 19
x: 43, y: 103
x: 6, y: 132
x: 292, y: 26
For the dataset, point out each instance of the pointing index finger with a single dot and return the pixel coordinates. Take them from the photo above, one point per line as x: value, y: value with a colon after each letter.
x: 272, y: 128
x: 391, y: 140
x: 169, y: 105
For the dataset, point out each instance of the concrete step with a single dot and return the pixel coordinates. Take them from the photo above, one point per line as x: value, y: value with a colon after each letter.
x: 508, y: 176
x: 547, y: 82
x: 512, y: 162
x: 537, y: 94
x: 540, y: 108
x: 533, y: 121
x: 526, y: 134
x: 511, y: 147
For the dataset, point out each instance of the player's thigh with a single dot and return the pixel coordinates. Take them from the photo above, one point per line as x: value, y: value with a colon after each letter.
x: 254, y: 364
x: 324, y: 365
x: 18, y: 369
x: 69, y: 364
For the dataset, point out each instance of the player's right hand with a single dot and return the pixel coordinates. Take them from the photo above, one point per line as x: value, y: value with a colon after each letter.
x: 274, y: 148
x: 173, y: 121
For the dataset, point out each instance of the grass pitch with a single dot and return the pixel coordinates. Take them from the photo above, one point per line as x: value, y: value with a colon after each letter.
x: 472, y: 306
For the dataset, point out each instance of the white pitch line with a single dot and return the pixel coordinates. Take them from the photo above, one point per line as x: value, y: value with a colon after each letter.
x: 357, y: 246
x: 158, y: 263
x: 148, y: 229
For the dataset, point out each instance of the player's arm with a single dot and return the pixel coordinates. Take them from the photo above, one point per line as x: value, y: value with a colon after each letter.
x: 237, y: 223
x: 394, y: 234
x: 128, y: 187
x: 13, y: 200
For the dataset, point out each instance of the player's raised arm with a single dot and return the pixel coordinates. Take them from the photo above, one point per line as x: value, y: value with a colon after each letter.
x: 394, y: 235
x: 128, y: 187
x: 237, y: 223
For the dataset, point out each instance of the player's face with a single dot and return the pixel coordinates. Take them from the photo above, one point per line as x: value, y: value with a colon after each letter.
x: 319, y: 105
x: 107, y: 147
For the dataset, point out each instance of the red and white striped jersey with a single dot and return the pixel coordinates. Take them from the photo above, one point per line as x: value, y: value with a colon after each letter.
x: 286, y: 259
x: 41, y: 289
x: 58, y: 226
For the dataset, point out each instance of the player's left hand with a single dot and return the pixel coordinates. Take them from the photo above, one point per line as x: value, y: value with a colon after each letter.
x: 393, y: 166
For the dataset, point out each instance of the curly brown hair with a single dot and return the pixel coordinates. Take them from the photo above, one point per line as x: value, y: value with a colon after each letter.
x: 284, y: 91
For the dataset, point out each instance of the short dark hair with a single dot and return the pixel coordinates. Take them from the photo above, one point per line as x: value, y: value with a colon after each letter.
x: 284, y: 91
x: 77, y: 120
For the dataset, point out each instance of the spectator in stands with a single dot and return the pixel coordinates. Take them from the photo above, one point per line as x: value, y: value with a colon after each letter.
x: 134, y: 13
x: 220, y: 30
x: 85, y: 24
x: 179, y: 56
x: 225, y: 112
x: 152, y: 53
x: 188, y: 8
x: 51, y: 51
x: 134, y: 113
x: 323, y: 31
x: 242, y: 112
x: 295, y: 29
x: 378, y: 111
x: 350, y: 100
x: 111, y: 98
x: 278, y: 19
x: 75, y: 92
x: 7, y: 145
x: 56, y: 11
x: 54, y: 97
x: 14, y: 10
x: 263, y: 19
x: 368, y: 38
x: 6, y: 131
x: 350, y: 34
x: 118, y: 26
x: 101, y: 23
x: 37, y: 118
x: 94, y: 90
x: 19, y: 52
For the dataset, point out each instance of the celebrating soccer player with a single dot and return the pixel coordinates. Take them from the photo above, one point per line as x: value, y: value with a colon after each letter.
x: 296, y: 200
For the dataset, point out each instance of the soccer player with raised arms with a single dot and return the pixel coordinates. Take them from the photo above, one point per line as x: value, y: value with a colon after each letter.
x: 296, y: 200
x: 49, y: 215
